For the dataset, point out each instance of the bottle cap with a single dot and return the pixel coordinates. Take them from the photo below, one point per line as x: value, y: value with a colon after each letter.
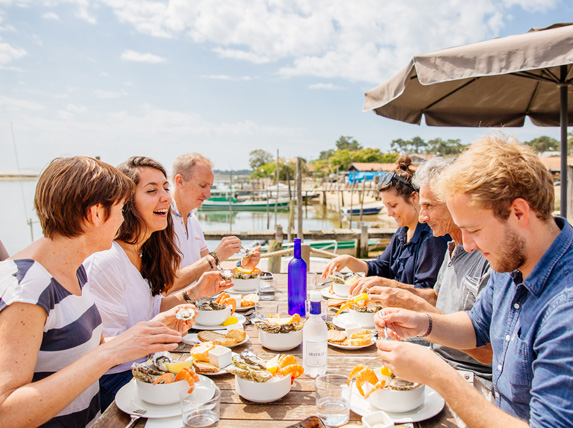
x: 314, y: 296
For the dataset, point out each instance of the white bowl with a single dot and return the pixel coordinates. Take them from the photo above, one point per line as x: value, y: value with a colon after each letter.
x: 161, y: 394
x: 212, y: 318
x: 365, y: 319
x: 378, y: 419
x: 280, y: 341
x: 263, y: 392
x: 395, y: 401
x: 244, y: 285
x: 342, y: 290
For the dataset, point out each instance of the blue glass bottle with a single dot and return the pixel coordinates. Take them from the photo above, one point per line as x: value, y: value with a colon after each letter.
x: 297, y: 282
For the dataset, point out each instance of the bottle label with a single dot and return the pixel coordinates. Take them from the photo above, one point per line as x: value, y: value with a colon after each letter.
x: 316, y: 353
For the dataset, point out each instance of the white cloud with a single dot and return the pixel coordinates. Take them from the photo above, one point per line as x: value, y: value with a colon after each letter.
x: 51, y: 16
x: 325, y: 86
x: 362, y: 40
x: 107, y: 95
x: 225, y: 77
x: 9, y: 53
x: 149, y: 58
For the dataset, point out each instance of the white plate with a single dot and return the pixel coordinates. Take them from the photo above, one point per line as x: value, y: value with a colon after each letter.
x: 127, y: 401
x: 340, y: 321
x: 328, y: 295
x: 192, y: 339
x: 433, y: 404
x: 352, y: 348
x: 240, y: 319
x: 244, y: 308
x: 232, y: 290
x: 221, y: 371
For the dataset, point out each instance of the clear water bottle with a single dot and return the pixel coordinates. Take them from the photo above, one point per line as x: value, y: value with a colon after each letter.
x: 297, y: 282
x: 314, y: 338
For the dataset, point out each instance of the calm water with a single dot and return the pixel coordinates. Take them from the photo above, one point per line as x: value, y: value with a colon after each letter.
x: 18, y: 197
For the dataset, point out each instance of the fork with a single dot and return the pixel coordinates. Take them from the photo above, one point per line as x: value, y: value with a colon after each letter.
x: 135, y: 416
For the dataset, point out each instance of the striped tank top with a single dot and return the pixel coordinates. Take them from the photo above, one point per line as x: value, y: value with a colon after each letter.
x: 72, y: 329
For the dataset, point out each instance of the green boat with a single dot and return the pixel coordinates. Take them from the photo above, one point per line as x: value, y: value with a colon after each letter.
x: 222, y: 203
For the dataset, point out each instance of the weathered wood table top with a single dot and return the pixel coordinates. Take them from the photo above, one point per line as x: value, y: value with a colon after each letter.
x: 294, y: 407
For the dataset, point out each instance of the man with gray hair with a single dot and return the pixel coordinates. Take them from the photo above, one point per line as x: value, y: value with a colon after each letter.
x: 192, y: 178
x: 462, y: 276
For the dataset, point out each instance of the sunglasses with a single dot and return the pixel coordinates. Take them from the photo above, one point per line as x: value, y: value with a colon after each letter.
x: 388, y: 178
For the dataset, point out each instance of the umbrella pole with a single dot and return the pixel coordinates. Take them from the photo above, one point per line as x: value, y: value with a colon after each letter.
x: 563, y: 121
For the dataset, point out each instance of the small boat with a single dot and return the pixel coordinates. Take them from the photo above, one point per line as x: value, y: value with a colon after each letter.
x: 370, y: 210
x: 223, y: 203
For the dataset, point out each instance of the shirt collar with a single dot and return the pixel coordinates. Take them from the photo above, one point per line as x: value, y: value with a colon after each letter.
x: 537, y: 280
x: 176, y: 212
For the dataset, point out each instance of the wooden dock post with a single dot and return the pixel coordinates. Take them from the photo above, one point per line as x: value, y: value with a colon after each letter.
x: 362, y: 244
x: 276, y: 245
x: 305, y: 255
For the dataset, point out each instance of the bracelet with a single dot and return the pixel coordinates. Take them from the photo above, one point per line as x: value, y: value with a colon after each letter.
x: 429, y: 326
x: 209, y: 261
x: 187, y: 298
x: 214, y: 255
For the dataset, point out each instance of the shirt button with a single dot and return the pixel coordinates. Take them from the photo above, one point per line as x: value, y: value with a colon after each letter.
x: 499, y: 367
x: 516, y: 305
x: 507, y: 337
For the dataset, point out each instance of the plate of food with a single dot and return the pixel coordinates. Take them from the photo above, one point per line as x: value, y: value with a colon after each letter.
x: 238, y: 319
x: 245, y: 302
x: 356, y: 340
x: 226, y: 338
x: 210, y: 360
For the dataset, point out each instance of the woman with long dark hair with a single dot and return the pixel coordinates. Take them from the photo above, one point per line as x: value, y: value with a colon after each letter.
x: 414, y: 256
x: 129, y: 280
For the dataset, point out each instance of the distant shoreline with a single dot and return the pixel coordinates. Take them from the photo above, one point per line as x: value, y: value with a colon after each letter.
x: 12, y: 177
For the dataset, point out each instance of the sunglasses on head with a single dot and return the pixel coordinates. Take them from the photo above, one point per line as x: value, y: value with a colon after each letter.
x: 388, y: 178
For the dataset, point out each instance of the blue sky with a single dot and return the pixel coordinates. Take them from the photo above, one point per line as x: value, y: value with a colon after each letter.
x: 116, y: 78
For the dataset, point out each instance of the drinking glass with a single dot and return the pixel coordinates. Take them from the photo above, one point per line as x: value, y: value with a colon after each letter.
x: 333, y: 399
x: 311, y: 281
x: 201, y: 408
x: 264, y: 309
x: 267, y: 286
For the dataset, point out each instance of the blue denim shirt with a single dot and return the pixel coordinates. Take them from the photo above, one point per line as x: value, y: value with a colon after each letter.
x: 416, y: 262
x: 529, y: 325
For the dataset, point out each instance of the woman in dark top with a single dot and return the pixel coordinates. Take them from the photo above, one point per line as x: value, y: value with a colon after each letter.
x: 414, y: 256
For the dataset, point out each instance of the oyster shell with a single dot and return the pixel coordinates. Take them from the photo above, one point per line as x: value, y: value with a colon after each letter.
x: 146, y: 372
x: 185, y: 314
x: 160, y: 358
x: 252, y: 368
x: 270, y: 327
x: 208, y: 305
x: 346, y: 278
x: 369, y: 308
x: 226, y: 274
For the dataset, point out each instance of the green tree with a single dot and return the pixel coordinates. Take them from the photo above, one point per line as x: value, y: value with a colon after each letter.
x: 347, y: 143
x: 268, y: 170
x: 367, y: 155
x: 259, y: 157
x: 437, y: 146
x: 341, y: 159
x: 325, y: 155
x: 543, y: 144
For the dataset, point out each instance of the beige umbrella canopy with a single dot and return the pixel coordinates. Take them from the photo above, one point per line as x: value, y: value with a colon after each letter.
x: 492, y: 83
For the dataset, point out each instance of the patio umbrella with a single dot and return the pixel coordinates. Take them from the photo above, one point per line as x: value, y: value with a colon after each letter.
x: 495, y: 83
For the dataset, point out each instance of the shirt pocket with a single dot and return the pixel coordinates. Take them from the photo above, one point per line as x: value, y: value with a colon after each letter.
x: 518, y: 369
x: 469, y: 289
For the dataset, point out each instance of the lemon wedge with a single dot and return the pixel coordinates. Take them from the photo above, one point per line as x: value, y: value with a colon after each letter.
x: 285, y: 320
x: 243, y: 270
x: 273, y: 364
x: 230, y: 321
x: 176, y: 366
x: 385, y: 371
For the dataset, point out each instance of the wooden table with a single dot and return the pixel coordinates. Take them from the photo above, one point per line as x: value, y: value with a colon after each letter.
x: 296, y: 406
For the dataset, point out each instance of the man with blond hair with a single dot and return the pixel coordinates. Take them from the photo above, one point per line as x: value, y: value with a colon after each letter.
x: 192, y: 178
x: 501, y: 196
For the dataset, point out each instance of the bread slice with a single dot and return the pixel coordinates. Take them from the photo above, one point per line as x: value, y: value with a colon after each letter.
x: 237, y: 334
x: 336, y: 336
x: 335, y: 303
x: 216, y: 338
x: 202, y: 367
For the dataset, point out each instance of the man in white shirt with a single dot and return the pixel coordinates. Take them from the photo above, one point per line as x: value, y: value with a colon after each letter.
x: 192, y: 180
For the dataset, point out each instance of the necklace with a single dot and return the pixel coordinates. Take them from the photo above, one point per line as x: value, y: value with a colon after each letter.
x: 139, y: 253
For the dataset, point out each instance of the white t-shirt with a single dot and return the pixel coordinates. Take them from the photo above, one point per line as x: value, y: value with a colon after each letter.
x: 190, y: 241
x: 123, y: 297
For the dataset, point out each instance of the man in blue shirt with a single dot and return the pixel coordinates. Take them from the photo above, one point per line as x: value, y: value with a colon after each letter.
x: 501, y: 197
